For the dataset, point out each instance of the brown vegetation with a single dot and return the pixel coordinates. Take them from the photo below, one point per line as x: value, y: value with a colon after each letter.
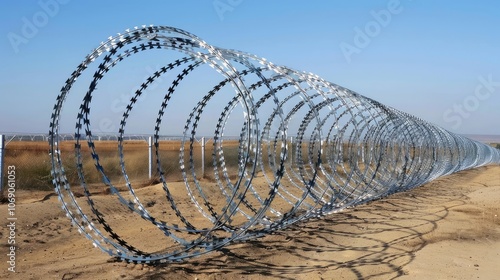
x: 33, y: 163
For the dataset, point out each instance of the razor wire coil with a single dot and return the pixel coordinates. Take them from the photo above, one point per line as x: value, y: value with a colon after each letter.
x: 347, y: 149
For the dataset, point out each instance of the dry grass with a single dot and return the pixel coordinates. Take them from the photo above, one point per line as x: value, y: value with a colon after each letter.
x: 33, y: 163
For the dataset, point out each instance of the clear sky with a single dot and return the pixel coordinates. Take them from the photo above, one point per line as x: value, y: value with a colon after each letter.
x: 438, y: 60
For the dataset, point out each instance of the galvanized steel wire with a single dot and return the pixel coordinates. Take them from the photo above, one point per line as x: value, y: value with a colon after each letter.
x: 347, y: 149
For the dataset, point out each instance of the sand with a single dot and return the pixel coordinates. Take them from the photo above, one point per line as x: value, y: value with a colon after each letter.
x: 446, y: 229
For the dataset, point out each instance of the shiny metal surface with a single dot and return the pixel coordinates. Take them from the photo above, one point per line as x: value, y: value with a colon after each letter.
x: 307, y: 148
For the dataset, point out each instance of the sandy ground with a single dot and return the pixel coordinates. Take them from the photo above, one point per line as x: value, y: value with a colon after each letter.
x: 447, y: 229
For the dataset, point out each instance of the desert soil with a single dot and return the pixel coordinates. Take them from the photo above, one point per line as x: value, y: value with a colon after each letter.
x: 446, y: 229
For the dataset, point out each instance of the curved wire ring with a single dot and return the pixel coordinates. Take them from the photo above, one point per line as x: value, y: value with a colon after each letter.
x: 347, y: 149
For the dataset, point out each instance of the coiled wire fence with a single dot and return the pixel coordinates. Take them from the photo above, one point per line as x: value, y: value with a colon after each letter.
x: 347, y: 149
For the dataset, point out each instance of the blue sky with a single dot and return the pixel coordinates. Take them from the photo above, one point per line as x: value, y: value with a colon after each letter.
x: 438, y: 60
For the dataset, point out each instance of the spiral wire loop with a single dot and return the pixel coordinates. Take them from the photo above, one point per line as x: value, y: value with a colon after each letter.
x: 347, y: 149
